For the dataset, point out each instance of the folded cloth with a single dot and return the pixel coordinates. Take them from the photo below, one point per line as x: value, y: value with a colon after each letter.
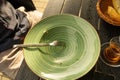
x: 10, y: 62
x: 33, y: 16
x: 14, y: 25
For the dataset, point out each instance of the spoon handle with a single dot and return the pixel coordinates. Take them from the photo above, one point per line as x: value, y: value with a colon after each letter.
x: 54, y: 43
x: 31, y: 45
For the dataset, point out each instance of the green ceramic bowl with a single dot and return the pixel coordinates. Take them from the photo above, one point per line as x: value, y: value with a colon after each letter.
x: 72, y: 61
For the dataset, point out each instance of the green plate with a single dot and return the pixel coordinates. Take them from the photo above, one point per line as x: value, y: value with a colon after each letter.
x: 72, y: 61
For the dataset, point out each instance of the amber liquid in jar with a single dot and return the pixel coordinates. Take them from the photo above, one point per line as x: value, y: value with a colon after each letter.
x: 112, y: 53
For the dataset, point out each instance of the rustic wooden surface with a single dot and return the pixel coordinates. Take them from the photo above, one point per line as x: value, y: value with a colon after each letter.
x: 87, y: 10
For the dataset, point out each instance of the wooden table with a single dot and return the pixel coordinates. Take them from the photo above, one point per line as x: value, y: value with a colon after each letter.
x: 87, y: 10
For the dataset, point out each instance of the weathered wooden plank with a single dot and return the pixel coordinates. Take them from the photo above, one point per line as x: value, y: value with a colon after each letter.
x: 72, y: 7
x: 89, y: 12
x: 105, y: 30
x: 53, y: 8
x: 25, y: 73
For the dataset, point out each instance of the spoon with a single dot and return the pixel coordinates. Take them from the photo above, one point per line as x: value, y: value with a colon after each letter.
x: 54, y: 43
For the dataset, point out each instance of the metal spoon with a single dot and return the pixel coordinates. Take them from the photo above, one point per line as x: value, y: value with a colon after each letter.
x: 54, y: 43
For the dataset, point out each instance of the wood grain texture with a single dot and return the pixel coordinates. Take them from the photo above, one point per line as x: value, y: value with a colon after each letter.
x: 89, y: 13
x: 87, y: 10
x: 53, y: 8
x: 25, y: 73
x: 71, y: 7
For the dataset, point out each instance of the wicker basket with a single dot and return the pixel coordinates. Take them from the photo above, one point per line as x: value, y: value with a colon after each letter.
x: 107, y: 12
